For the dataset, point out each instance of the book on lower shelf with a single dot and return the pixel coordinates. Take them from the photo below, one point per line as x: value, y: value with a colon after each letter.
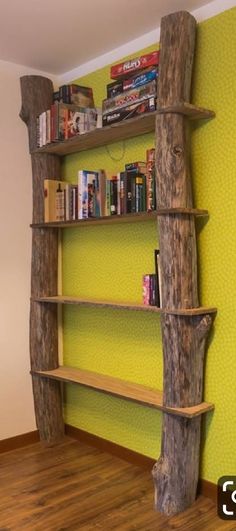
x: 151, y: 285
x: 98, y: 193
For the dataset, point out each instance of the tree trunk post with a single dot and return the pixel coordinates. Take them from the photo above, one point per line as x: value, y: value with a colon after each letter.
x: 37, y: 96
x: 176, y: 471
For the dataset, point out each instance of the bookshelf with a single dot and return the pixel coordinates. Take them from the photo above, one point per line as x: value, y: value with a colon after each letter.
x: 185, y: 324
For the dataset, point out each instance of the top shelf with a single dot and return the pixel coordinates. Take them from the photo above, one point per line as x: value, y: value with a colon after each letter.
x: 140, y: 125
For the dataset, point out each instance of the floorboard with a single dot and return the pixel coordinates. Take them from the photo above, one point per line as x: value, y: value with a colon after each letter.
x: 74, y: 487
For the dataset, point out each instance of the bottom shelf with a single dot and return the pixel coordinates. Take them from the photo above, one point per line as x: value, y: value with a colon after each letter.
x: 122, y: 389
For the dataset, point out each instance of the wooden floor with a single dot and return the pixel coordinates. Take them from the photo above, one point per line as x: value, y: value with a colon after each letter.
x: 75, y: 487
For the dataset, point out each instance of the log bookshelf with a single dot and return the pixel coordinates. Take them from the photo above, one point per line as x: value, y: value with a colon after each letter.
x: 185, y: 324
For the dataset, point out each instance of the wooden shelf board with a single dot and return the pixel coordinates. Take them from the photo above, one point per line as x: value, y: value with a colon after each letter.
x: 106, y: 220
x: 123, y: 389
x: 67, y: 299
x: 145, y: 123
x: 140, y: 125
x: 187, y: 109
x: 124, y: 218
x: 64, y: 299
x: 179, y: 210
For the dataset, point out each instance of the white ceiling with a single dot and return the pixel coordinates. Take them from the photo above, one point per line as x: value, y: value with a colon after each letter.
x: 55, y: 36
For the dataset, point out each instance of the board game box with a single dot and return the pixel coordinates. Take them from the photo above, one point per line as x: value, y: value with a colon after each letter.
x: 130, y: 96
x: 130, y: 111
x: 133, y: 65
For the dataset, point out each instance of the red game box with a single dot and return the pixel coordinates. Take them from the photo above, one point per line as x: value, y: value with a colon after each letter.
x: 133, y: 65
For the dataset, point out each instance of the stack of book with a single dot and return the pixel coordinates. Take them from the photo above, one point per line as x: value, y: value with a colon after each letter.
x: 134, y: 91
x: 97, y: 193
x: 71, y: 113
x: 151, y: 286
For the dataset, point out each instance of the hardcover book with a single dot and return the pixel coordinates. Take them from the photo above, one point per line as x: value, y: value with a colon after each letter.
x: 54, y: 201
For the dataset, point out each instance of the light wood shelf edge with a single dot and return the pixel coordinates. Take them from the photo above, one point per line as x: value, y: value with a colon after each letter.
x: 124, y: 218
x: 66, y: 299
x: 122, y: 389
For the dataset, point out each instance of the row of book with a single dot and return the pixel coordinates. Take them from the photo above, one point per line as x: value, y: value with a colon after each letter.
x: 98, y: 194
x: 72, y: 112
x: 64, y: 120
x: 134, y: 91
x: 151, y: 285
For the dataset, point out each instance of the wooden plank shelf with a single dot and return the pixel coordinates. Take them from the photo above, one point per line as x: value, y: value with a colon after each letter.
x: 187, y: 109
x: 122, y: 389
x: 66, y: 299
x: 172, y: 211
x: 145, y: 123
x: 135, y: 217
x: 104, y: 220
x: 124, y: 130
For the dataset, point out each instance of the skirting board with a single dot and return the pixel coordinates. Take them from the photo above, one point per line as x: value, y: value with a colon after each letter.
x: 205, y: 488
x: 6, y: 445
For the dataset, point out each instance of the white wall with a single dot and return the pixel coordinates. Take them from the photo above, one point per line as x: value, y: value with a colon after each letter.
x: 16, y: 402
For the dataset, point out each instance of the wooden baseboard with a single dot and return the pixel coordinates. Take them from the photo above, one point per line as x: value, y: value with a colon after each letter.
x: 6, y: 445
x: 205, y: 488
x: 107, y: 446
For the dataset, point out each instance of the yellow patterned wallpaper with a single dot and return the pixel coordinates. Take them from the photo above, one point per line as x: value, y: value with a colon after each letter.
x: 108, y: 263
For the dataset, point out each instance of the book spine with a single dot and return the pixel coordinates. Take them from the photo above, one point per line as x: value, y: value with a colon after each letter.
x: 60, y: 206
x: 123, y: 192
x: 140, y: 193
x: 101, y: 194
x: 90, y: 185
x: 48, y: 126
x: 84, y: 196
x: 158, y: 278
x: 145, y: 289
x: 114, y: 199
x: 108, y: 197
x: 74, y: 191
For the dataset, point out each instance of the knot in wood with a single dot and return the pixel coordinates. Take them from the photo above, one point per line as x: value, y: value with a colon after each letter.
x: 177, y: 150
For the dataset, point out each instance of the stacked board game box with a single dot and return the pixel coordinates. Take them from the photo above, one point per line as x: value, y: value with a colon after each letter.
x: 134, y: 91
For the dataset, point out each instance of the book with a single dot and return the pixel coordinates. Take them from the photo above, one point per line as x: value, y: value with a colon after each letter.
x: 158, y: 277
x: 133, y: 65
x: 86, y: 193
x: 77, y: 95
x: 123, y: 192
x: 139, y: 166
x: 151, y: 179
x: 54, y: 201
x: 150, y: 290
x: 100, y: 194
x: 145, y: 289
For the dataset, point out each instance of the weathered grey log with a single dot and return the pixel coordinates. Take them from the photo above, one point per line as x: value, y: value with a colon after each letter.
x: 37, y: 95
x: 176, y: 472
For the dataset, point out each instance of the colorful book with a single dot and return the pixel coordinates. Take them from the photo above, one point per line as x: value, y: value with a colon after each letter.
x: 54, y: 200
x: 158, y: 277
x: 86, y: 193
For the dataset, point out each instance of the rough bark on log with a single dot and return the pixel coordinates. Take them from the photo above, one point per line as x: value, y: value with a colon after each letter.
x: 176, y: 472
x: 37, y: 97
